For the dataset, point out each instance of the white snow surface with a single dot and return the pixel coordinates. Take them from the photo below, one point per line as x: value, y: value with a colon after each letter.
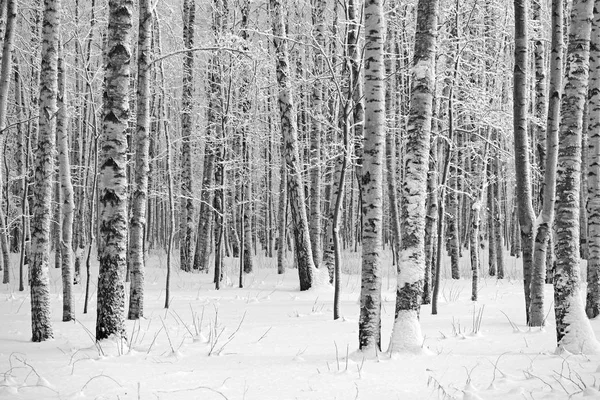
x: 289, y: 347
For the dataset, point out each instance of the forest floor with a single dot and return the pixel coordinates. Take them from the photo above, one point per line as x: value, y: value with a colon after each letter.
x: 271, y: 341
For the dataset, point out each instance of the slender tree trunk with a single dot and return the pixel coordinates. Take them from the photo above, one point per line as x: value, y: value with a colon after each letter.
x: 40, y: 228
x: 543, y: 233
x: 390, y: 140
x: 369, y: 334
x: 113, y: 179
x: 541, y: 99
x: 290, y: 136
x: 406, y: 333
x: 5, y: 72
x: 140, y: 193
x: 491, y: 227
x: 431, y: 219
x: 521, y: 147
x: 202, y: 251
x: 318, y: 17
x: 568, y: 307
x: 282, y: 217
x: 66, y: 185
x: 498, y: 216
x: 187, y: 104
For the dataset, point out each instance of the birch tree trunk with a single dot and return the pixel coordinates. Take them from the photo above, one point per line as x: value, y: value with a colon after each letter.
x: 41, y: 325
x: 187, y: 204
x: 318, y: 15
x: 5, y: 72
x: 202, y: 251
x: 390, y: 140
x: 593, y: 206
x: 541, y: 100
x: 246, y: 252
x: 289, y: 130
x: 113, y: 179
x: 142, y: 148
x: 66, y: 185
x: 537, y: 315
x: 568, y: 307
x: 369, y: 334
x: 521, y: 147
x: 406, y: 333
x: 282, y: 217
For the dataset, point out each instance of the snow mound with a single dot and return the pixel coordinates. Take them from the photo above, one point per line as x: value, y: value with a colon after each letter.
x: 406, y: 335
x: 320, y: 279
x: 580, y: 337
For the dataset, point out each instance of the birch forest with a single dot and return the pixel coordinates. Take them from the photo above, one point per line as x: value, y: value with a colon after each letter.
x: 395, y: 164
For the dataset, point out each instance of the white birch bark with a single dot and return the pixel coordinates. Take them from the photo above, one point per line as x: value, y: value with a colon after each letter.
x: 44, y: 169
x: 187, y: 204
x: 140, y: 192
x: 593, y: 178
x: 113, y: 178
x: 573, y: 331
x: 369, y: 334
x: 5, y: 71
x: 537, y: 314
x: 521, y: 146
x: 406, y: 333
x: 66, y: 186
x: 289, y: 130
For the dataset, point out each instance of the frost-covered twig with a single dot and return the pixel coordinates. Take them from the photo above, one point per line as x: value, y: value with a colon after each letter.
x: 194, y: 388
x: 102, y: 375
x: 168, y: 336
x: 264, y: 334
x: 441, y: 390
x: 512, y: 324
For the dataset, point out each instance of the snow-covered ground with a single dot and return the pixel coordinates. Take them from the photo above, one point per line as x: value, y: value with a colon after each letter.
x: 270, y: 341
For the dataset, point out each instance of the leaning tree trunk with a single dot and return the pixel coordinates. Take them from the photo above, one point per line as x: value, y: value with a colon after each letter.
x: 536, y: 311
x: 369, y: 334
x: 44, y: 167
x: 5, y: 70
x: 113, y: 179
x: 593, y: 206
x: 521, y: 146
x: 289, y: 130
x: 66, y: 185
x: 573, y: 332
x: 140, y: 192
x: 406, y: 333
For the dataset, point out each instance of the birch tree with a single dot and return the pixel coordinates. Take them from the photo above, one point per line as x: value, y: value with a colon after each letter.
x: 573, y: 332
x: 318, y: 16
x: 187, y: 204
x: 550, y: 154
x: 5, y: 71
x: 113, y: 178
x: 44, y: 167
x: 369, y: 324
x: 66, y: 185
x: 140, y: 192
x: 521, y: 146
x: 287, y: 111
x: 406, y: 333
